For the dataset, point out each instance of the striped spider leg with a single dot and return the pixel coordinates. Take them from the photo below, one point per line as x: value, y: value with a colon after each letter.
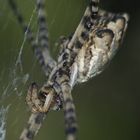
x: 85, y: 55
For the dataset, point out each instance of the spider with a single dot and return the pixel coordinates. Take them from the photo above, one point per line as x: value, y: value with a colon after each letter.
x: 82, y: 56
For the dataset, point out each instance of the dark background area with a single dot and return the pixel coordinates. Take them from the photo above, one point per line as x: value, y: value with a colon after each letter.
x: 107, y: 106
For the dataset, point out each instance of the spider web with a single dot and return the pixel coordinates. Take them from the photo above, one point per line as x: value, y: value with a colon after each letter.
x: 3, y: 114
x: 13, y: 78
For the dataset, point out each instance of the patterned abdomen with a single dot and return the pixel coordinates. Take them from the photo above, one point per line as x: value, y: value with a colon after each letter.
x: 102, y: 44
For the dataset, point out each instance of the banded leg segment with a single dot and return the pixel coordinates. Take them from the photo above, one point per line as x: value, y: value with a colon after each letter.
x: 43, y: 31
x: 69, y: 113
x: 43, y: 34
x: 88, y: 21
x: 31, y: 39
x: 34, y: 124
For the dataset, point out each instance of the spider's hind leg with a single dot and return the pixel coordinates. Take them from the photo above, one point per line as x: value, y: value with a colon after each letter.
x: 43, y: 34
x: 34, y: 123
x: 69, y: 113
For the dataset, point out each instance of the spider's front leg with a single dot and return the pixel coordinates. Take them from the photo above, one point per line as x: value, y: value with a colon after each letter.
x: 40, y: 47
x: 44, y: 99
x: 33, y: 125
x: 69, y: 113
x: 43, y: 36
x: 36, y: 118
x: 37, y: 100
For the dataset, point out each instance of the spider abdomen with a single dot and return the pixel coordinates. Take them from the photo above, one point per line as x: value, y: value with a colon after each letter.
x: 91, y: 64
x: 100, y: 47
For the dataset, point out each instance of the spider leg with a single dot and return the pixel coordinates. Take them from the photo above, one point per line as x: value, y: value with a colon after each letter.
x: 34, y: 124
x: 88, y: 21
x: 43, y: 33
x: 31, y: 39
x: 32, y: 97
x: 63, y: 41
x: 69, y: 113
x: 37, y: 116
x: 68, y: 105
x: 77, y: 40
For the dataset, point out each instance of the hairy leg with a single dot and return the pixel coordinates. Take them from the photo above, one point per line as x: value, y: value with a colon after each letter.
x: 69, y: 113
x: 33, y: 125
x: 43, y: 35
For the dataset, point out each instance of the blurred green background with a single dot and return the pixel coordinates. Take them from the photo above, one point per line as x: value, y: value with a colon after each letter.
x: 107, y: 106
